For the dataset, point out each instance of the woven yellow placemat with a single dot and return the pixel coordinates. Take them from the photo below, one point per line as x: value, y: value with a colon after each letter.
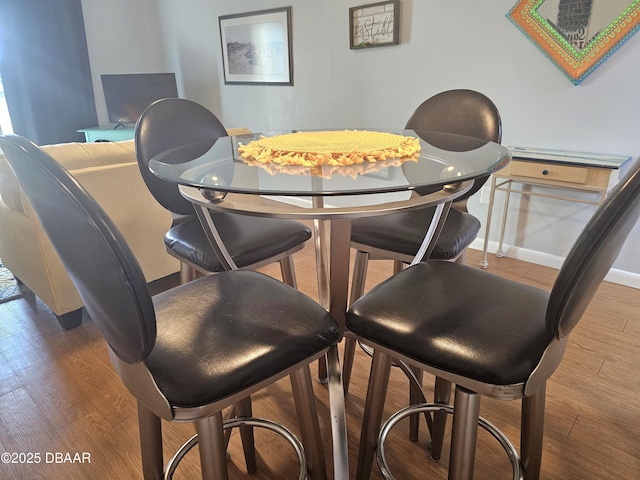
x: 330, y: 148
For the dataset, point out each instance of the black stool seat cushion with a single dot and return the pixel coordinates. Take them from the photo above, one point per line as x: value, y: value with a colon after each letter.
x: 493, y: 330
x: 404, y: 232
x: 249, y: 239
x: 196, y: 360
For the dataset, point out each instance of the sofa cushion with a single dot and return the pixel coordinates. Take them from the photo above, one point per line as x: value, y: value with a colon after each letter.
x: 72, y: 156
x: 76, y: 156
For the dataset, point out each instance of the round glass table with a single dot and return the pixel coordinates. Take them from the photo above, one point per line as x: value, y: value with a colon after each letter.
x: 444, y: 159
x: 213, y: 176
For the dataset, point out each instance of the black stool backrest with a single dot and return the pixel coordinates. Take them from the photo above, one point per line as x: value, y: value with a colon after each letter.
x: 171, y: 123
x: 593, y: 254
x: 462, y: 112
x: 94, y: 253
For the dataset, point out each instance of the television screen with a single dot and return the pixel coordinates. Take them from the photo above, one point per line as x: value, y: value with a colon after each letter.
x: 128, y: 95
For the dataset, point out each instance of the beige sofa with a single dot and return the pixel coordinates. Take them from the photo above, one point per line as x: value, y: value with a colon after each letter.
x: 109, y: 172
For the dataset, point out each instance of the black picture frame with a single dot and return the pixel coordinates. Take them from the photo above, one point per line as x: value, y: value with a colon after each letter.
x: 374, y: 25
x: 257, y: 47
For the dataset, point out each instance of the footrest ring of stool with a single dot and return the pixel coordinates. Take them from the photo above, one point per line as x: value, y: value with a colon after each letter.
x: 508, y: 447
x: 243, y: 422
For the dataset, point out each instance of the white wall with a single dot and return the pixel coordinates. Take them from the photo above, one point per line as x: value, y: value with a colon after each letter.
x: 123, y: 36
x: 444, y: 45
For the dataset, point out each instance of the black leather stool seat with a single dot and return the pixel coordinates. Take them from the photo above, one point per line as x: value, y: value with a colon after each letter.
x: 493, y: 331
x: 403, y: 232
x: 269, y: 237
x: 487, y: 335
x: 193, y: 351
x: 251, y: 241
x: 196, y: 361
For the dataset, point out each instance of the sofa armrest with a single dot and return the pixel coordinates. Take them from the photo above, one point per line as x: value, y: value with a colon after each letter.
x: 122, y: 193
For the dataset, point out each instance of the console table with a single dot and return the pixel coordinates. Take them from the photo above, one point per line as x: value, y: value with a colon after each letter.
x: 107, y: 134
x: 577, y: 171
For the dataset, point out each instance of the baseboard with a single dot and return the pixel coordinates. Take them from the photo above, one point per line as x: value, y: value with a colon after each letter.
x: 615, y: 275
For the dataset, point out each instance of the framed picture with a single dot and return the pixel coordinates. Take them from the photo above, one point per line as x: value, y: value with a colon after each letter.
x: 256, y: 47
x: 577, y: 36
x: 374, y: 25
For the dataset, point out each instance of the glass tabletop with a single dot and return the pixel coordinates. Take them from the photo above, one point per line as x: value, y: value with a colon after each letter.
x: 444, y: 159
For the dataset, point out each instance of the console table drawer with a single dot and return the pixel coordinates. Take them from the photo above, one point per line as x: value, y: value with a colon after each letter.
x: 548, y: 171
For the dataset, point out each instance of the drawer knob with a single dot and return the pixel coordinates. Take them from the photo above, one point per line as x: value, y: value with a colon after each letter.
x: 545, y: 172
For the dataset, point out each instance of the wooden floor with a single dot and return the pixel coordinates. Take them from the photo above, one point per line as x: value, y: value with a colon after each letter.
x: 59, y: 395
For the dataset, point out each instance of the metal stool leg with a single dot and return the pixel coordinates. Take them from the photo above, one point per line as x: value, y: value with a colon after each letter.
x: 288, y: 272
x: 532, y: 428
x: 464, y: 434
x: 358, y: 279
x: 308, y: 420
x: 243, y: 409
x: 187, y: 273
x: 322, y: 272
x: 360, y: 266
x: 373, y: 408
x: 441, y: 394
x: 213, y: 456
x: 347, y: 361
x: 150, y: 443
x: 414, y: 399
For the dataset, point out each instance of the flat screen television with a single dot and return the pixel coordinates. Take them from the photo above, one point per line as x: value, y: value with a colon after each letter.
x: 128, y: 95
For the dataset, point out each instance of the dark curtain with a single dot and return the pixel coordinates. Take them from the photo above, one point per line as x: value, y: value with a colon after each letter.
x: 45, y: 70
